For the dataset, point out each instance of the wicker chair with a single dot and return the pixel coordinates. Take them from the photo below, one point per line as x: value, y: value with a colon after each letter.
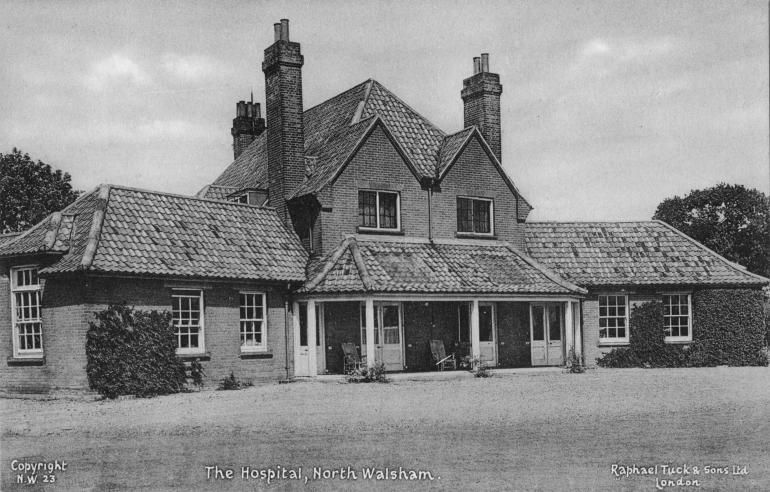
x: 440, y: 359
x: 353, y: 360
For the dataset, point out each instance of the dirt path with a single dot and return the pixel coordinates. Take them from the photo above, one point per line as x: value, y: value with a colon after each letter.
x: 547, y: 432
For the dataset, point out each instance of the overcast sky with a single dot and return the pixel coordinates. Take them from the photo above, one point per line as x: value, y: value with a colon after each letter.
x: 607, y: 107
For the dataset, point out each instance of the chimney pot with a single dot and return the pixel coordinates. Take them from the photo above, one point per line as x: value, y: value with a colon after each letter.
x: 249, y: 112
x: 257, y: 110
x: 277, y: 31
x: 240, y: 108
x: 476, y: 65
x: 485, y: 62
x: 284, y: 29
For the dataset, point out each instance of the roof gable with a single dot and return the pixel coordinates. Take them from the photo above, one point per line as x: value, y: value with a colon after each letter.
x: 333, y: 131
x: 455, y: 145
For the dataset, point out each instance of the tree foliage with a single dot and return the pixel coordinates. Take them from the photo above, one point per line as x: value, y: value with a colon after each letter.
x: 30, y: 191
x: 732, y: 220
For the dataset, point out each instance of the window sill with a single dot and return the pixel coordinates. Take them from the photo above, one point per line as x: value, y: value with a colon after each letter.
x: 26, y: 361
x: 256, y: 355
x: 200, y: 356
x: 474, y: 235
x: 611, y: 344
x: 677, y: 342
x: 368, y: 230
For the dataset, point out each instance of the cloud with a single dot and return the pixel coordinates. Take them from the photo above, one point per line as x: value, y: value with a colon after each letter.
x: 116, y: 68
x: 605, y: 56
x: 189, y: 67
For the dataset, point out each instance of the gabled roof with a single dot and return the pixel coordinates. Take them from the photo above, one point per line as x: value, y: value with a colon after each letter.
x: 119, y: 230
x: 249, y: 170
x: 630, y: 253
x: 402, y: 265
x: 333, y: 132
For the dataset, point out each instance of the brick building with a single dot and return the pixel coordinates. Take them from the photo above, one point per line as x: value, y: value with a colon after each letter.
x: 355, y: 221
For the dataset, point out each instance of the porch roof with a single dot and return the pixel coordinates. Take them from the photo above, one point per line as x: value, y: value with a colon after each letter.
x: 376, y: 264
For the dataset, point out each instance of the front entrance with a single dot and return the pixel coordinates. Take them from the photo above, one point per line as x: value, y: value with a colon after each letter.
x: 388, y: 335
x: 302, y: 360
x: 546, y: 328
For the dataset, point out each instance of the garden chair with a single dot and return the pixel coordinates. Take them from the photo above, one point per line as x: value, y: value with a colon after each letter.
x: 440, y: 358
x: 353, y: 360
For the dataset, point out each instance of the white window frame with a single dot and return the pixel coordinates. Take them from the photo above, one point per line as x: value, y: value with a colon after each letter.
x: 17, y: 350
x: 262, y: 347
x: 377, y: 208
x: 613, y: 340
x: 491, y: 216
x: 678, y: 339
x: 201, y: 348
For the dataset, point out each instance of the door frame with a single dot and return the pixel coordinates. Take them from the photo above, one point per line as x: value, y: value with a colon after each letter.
x: 547, y: 329
x: 320, y: 339
x: 379, y: 327
x: 297, y: 322
x: 493, y: 305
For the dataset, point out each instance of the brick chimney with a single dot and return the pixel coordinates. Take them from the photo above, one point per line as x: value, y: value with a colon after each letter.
x: 481, y: 101
x: 285, y: 131
x: 248, y: 124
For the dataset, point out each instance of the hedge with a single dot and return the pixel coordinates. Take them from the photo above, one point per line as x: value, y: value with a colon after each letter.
x: 132, y: 352
x: 728, y: 329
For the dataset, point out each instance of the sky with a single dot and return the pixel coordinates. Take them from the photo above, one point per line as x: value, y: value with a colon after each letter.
x: 608, y: 107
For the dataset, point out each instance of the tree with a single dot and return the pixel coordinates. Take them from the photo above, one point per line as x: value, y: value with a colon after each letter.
x: 732, y: 220
x: 29, y: 191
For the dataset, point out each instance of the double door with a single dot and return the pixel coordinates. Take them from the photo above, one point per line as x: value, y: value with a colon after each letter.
x: 546, y: 334
x: 388, y: 335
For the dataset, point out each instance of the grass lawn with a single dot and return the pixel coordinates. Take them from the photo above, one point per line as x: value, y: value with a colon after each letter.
x: 516, y: 432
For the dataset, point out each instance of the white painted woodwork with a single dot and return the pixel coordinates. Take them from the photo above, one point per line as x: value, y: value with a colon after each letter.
x: 475, y: 342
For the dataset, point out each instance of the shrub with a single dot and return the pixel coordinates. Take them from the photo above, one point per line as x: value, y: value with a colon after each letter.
x: 232, y: 383
x: 728, y: 329
x: 374, y: 374
x: 479, y: 369
x: 574, y: 363
x: 132, y: 352
x: 196, y: 372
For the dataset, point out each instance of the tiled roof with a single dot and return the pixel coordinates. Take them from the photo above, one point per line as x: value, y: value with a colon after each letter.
x: 128, y: 231
x: 9, y: 236
x: 374, y: 264
x: 249, y: 170
x: 332, y: 130
x: 332, y: 156
x: 450, y: 146
x: 216, y: 192
x: 630, y: 253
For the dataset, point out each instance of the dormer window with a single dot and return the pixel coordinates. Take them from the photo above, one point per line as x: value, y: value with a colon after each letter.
x: 379, y: 210
x: 475, y: 215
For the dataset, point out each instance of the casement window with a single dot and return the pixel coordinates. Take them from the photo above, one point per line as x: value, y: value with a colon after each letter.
x: 379, y: 210
x: 187, y: 316
x: 613, y: 319
x: 25, y: 312
x: 475, y: 215
x: 253, y: 321
x: 677, y: 319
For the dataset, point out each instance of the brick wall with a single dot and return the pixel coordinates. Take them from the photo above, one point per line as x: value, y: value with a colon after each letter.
x: 68, y: 304
x: 341, y: 325
x: 592, y: 349
x: 221, y: 323
x: 474, y: 175
x: 513, y: 334
x: 63, y: 316
x: 377, y: 165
